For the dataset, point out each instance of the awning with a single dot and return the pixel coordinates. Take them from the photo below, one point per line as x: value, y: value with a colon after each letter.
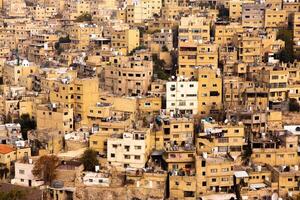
x: 257, y: 186
x: 241, y: 174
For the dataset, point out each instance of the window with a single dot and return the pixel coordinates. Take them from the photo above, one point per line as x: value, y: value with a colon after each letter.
x: 175, y: 126
x: 127, y: 156
x: 95, y: 142
x: 224, y: 179
x: 137, y: 147
x: 137, y: 157
x: 213, y: 170
x: 225, y: 169
x: 112, y: 155
x: 21, y: 171
x: 213, y: 180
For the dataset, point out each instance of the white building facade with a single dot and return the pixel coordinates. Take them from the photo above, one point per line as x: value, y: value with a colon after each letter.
x: 131, y: 150
x: 24, y: 176
x: 182, y: 97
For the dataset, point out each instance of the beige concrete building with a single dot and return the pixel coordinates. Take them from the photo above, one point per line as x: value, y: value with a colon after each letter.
x: 129, y: 75
x: 130, y: 149
x: 54, y: 117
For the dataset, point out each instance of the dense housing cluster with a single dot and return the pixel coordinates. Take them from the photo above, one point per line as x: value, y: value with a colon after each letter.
x: 150, y: 99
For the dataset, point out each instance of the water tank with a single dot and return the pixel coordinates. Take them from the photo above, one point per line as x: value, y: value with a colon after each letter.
x: 259, y: 168
x: 57, y: 184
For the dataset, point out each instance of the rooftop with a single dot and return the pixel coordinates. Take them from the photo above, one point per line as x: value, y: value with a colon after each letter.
x: 4, y: 148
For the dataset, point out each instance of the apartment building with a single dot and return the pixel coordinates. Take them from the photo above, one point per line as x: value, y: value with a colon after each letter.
x: 42, y: 47
x: 81, y: 34
x: 214, y: 174
x: 8, y: 154
x: 225, y: 33
x: 105, y: 122
x: 194, y: 55
x: 76, y: 93
x: 174, y: 130
x: 164, y: 39
x: 129, y: 75
x: 179, y: 157
x: 75, y: 9
x: 277, y: 80
x: 265, y: 150
x: 194, y: 28
x: 125, y: 40
x: 296, y: 32
x: 209, y: 91
x: 275, y: 18
x: 41, y: 13
x: 130, y: 149
x: 250, y: 47
x: 219, y: 138
x: 253, y: 15
x: 140, y: 10
x: 15, y: 70
x: 54, y: 117
x: 182, y: 97
x: 24, y: 176
x: 291, y: 6
x: 285, y: 179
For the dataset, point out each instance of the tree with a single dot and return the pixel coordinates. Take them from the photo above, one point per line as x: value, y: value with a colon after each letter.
x: 89, y: 159
x: 85, y: 17
x: 294, y: 105
x: 223, y: 13
x: 13, y: 194
x: 164, y: 48
x: 158, y: 68
x: 136, y: 49
x: 61, y: 40
x: 26, y: 123
x: 286, y: 55
x: 45, y: 168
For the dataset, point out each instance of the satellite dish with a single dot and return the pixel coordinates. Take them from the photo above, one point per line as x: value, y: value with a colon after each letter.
x: 274, y: 196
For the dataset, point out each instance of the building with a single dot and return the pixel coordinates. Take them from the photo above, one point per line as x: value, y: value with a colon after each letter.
x: 253, y: 15
x: 55, y: 117
x: 209, y: 91
x: 182, y: 97
x: 129, y: 75
x: 193, y: 28
x: 129, y: 150
x: 125, y: 40
x: 24, y: 176
x: 194, y: 55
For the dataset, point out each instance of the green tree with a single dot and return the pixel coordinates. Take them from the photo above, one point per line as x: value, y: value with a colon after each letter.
x: 164, y: 48
x: 136, y: 49
x: 223, y: 13
x: 286, y: 55
x: 13, y: 194
x: 294, y: 105
x: 26, y: 123
x: 45, y: 168
x: 85, y: 17
x: 89, y: 159
x: 158, y: 68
